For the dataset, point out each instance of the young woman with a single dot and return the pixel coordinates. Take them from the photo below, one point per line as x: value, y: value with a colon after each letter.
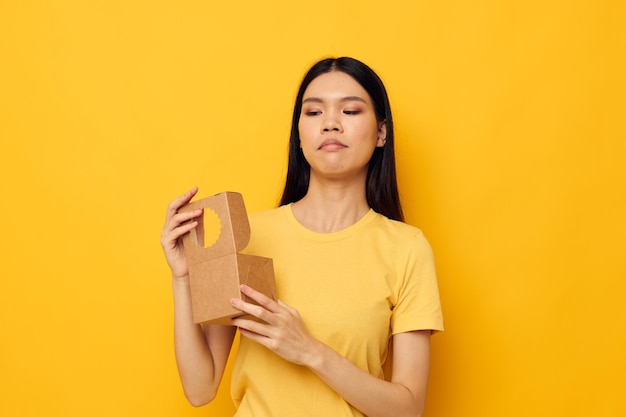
x: 358, y: 298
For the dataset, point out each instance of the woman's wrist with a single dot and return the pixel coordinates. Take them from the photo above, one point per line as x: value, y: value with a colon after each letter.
x: 180, y: 282
x: 317, y: 356
x: 180, y: 278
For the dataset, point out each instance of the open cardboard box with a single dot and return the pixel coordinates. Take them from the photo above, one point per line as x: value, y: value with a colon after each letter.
x: 217, y: 271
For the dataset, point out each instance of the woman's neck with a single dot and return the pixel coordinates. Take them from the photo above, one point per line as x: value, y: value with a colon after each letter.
x: 330, y: 206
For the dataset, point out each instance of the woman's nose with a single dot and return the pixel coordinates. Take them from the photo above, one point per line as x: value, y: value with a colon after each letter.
x: 331, y: 123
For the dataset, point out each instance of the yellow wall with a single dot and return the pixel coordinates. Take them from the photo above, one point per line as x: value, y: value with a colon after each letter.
x: 511, y: 148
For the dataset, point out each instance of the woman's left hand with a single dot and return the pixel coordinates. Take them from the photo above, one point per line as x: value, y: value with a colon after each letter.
x: 282, y: 330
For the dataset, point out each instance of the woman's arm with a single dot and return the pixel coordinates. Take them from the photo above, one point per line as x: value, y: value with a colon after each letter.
x: 405, y: 395
x: 285, y: 334
x: 201, y: 352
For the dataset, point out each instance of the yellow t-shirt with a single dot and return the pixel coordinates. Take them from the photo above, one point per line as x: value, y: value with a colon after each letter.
x: 354, y: 289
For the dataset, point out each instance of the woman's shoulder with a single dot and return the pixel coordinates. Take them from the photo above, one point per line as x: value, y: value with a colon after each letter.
x: 398, y: 227
x: 265, y: 226
x: 267, y: 215
x: 268, y: 220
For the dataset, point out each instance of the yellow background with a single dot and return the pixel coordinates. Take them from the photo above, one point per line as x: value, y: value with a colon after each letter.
x: 511, y: 152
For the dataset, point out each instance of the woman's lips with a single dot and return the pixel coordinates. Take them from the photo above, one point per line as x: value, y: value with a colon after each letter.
x: 331, y: 145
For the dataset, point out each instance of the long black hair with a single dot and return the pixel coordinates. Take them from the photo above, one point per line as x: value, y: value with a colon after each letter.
x: 381, y: 187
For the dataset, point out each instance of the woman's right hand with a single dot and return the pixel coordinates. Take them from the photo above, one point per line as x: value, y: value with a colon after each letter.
x: 175, y: 227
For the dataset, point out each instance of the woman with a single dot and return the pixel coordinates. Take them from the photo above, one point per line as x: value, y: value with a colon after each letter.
x: 356, y: 285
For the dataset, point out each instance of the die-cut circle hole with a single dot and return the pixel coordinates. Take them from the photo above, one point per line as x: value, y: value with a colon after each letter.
x: 208, y: 229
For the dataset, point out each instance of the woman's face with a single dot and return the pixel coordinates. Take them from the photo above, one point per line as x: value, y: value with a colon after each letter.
x: 338, y: 126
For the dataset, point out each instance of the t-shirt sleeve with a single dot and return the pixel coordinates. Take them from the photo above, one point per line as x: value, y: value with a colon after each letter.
x: 418, y: 306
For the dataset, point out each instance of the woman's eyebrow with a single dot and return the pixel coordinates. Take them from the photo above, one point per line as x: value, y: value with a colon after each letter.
x: 352, y: 98
x: 341, y: 100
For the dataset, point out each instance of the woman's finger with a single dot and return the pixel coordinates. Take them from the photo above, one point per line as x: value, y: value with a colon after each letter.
x: 253, y: 326
x: 251, y: 309
x: 174, y: 234
x: 176, y: 204
x: 260, y: 298
x: 179, y: 219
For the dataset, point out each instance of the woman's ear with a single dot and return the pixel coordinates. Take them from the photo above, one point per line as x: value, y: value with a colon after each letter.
x: 382, y: 133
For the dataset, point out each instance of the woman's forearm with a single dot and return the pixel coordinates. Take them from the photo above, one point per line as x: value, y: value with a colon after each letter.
x: 201, y: 354
x: 374, y: 397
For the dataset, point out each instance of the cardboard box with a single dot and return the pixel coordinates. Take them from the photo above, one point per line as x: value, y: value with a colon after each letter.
x: 217, y: 271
